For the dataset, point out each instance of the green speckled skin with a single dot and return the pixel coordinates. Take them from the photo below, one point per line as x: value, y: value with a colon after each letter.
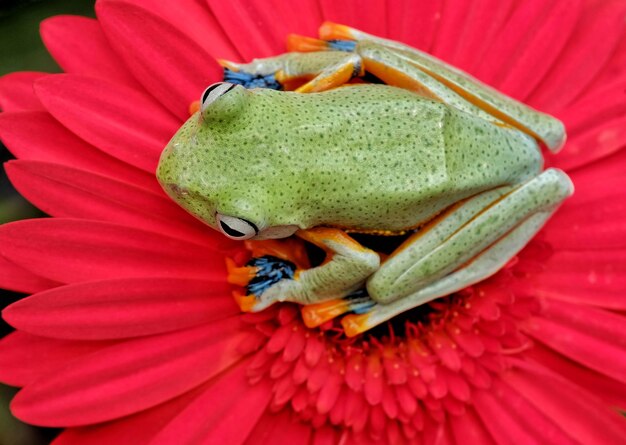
x: 455, y: 154
x: 367, y: 157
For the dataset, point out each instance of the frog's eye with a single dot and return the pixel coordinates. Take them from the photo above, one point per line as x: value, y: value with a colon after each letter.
x: 236, y: 228
x: 214, y: 92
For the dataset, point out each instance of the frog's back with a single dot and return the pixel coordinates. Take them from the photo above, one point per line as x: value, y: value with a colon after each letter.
x: 375, y: 157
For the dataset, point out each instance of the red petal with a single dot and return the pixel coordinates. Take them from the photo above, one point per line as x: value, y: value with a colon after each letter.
x: 543, y: 45
x: 122, y: 308
x: 466, y: 28
x: 35, y: 135
x: 303, y: 17
x: 606, y: 167
x: 65, y: 192
x: 607, y: 103
x: 16, y: 91
x: 295, y: 346
x: 121, y: 121
x: 373, y: 385
x: 354, y: 372
x: 137, y: 429
x: 445, y: 349
x: 503, y: 421
x: 279, y: 339
x: 194, y: 18
x: 129, y: 377
x: 534, y: 421
x: 318, y: 376
x: 329, y: 393
x: 592, y: 337
x: 457, y: 386
x: 284, y: 389
x: 171, y: 66
x: 449, y: 34
x: 79, y: 46
x: 590, y: 144
x: 350, y: 13
x: 576, y: 411
x: 510, y: 40
x: 595, y: 226
x: 280, y: 428
x: 468, y: 340
x: 25, y: 358
x: 313, y: 350
x: 256, y: 27
x: 585, y: 277
x: 70, y: 250
x: 469, y: 429
x: 615, y: 68
x: 593, y: 40
x: 406, y: 400
x: 324, y: 436
x: 403, y: 19
x: 18, y: 279
x: 225, y: 414
x: 611, y: 391
x: 590, y: 191
x: 481, y: 23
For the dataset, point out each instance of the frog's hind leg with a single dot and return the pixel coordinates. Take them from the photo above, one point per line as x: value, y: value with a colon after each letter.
x: 400, y: 65
x: 319, y: 70
x: 462, y: 247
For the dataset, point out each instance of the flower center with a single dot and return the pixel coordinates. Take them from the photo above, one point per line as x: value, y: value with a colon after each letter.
x: 387, y: 382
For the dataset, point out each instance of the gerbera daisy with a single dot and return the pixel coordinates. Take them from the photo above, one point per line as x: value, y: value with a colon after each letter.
x: 132, y: 336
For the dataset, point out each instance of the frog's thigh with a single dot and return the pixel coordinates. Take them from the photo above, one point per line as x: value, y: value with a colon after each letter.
x: 394, y: 70
x: 393, y: 61
x: 458, y: 237
x: 484, y: 265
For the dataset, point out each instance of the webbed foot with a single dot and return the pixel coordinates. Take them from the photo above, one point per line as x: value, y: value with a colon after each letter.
x: 266, y: 271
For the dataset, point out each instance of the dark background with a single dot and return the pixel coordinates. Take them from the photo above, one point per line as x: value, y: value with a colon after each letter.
x: 21, y: 49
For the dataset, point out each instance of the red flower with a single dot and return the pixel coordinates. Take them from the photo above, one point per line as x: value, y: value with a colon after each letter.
x: 132, y: 336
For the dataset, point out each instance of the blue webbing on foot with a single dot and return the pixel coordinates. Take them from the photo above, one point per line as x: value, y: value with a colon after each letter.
x: 248, y: 80
x: 270, y: 270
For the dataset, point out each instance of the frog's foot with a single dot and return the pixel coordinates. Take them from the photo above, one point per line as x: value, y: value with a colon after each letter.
x: 466, y: 245
x: 269, y: 279
x: 259, y: 275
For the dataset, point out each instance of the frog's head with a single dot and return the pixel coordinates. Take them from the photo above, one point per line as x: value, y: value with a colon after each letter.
x: 214, y: 166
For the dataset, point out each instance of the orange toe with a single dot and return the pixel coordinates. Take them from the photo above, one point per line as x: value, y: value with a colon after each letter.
x: 304, y: 44
x: 245, y: 302
x: 315, y: 315
x: 335, y: 31
x: 354, y: 324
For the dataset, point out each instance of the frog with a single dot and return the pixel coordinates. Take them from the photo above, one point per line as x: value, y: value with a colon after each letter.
x: 424, y: 150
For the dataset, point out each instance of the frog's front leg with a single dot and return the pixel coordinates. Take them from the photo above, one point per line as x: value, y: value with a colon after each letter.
x: 347, y: 266
x: 322, y: 70
x: 465, y: 245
